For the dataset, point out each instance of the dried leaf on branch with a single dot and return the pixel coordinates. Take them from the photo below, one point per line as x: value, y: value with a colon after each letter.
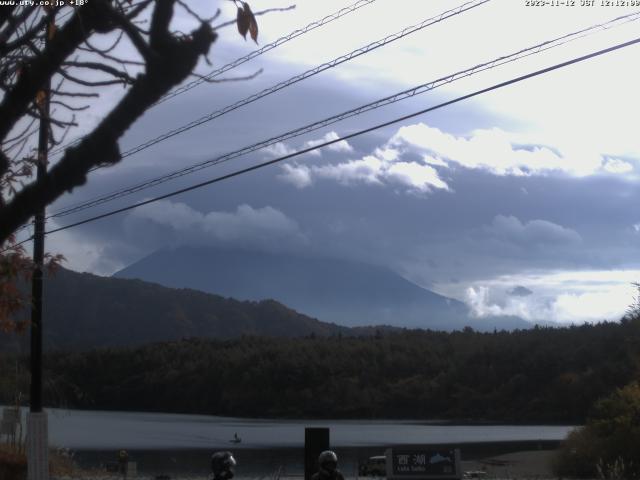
x: 246, y: 22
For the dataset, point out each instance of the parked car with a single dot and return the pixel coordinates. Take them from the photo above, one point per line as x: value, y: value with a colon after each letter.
x: 374, y: 466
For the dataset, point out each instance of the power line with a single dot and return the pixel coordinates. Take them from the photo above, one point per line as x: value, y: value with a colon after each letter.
x: 256, y: 53
x: 345, y: 137
x: 303, y: 76
x: 352, y: 135
x: 309, y: 73
x: 282, y: 40
x: 425, y: 87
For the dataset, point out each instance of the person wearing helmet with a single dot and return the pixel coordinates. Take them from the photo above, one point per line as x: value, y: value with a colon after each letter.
x: 222, y: 465
x: 328, y: 463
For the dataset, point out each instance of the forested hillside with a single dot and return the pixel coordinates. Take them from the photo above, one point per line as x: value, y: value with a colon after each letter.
x: 84, y: 311
x: 538, y: 375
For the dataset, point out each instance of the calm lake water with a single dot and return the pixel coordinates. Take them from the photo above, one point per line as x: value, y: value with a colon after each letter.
x: 96, y: 430
x: 174, y: 443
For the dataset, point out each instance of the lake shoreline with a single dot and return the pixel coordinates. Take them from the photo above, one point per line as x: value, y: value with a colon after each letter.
x: 473, y: 448
x: 451, y: 422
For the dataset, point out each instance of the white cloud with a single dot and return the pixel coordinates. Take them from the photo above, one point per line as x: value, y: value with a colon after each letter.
x: 615, y: 165
x: 370, y: 169
x: 504, y: 153
x: 83, y: 254
x: 387, y: 154
x: 420, y: 177
x: 482, y: 302
x: 342, y: 146
x: 431, y: 160
x: 609, y: 304
x: 383, y: 166
x: 561, y: 297
x: 494, y: 150
x: 478, y: 300
x: 367, y: 170
x: 279, y: 149
x: 490, y: 150
x: 297, y: 175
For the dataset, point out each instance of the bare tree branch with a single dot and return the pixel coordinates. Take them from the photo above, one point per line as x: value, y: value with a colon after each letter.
x: 105, y: 54
x: 173, y: 60
x: 138, y: 9
x: 13, y: 23
x: 19, y: 134
x: 89, y: 83
x: 61, y: 93
x: 15, y: 102
x: 34, y: 113
x: 70, y: 107
x: 39, y: 68
x: 123, y: 76
x: 25, y: 39
x: 134, y: 35
x: 190, y: 11
x: 229, y: 79
x: 94, y: 49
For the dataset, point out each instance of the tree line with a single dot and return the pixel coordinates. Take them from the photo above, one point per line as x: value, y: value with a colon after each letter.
x: 539, y: 375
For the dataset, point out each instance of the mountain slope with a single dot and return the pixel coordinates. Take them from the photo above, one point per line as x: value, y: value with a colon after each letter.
x: 84, y: 311
x: 344, y: 292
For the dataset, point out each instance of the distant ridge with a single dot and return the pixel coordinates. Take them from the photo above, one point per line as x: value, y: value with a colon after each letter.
x: 84, y: 311
x: 344, y: 292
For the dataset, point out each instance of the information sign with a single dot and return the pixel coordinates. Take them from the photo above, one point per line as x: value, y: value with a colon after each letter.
x: 427, y: 463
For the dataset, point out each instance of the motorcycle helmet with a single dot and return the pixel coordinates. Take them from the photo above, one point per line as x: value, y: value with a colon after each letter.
x: 328, y: 461
x: 222, y: 465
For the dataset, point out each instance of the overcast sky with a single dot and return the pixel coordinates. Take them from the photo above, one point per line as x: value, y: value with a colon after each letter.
x: 520, y: 201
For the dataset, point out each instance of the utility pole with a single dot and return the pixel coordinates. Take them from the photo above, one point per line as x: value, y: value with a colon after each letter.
x: 37, y: 425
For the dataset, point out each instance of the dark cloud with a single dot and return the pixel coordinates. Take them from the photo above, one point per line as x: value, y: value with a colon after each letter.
x: 432, y: 238
x: 520, y: 291
x: 484, y: 225
x: 533, y: 232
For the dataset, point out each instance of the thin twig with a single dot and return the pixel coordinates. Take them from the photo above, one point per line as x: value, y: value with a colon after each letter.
x: 101, y: 67
x: 230, y: 79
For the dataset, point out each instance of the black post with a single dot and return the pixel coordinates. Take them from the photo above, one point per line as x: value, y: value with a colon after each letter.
x: 38, y: 260
x: 316, y: 440
x: 43, y: 104
x: 37, y: 425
